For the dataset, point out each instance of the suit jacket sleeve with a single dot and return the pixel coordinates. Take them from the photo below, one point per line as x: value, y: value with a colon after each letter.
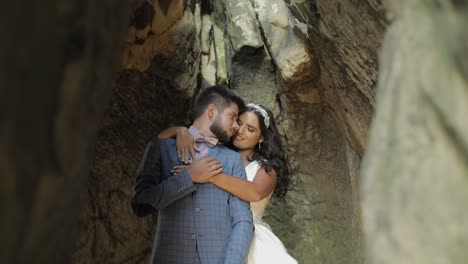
x: 242, y: 224
x: 153, y: 191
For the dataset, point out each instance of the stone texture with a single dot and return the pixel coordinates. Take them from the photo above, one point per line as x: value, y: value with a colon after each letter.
x: 154, y: 89
x: 293, y: 61
x: 145, y: 100
x: 219, y: 42
x: 174, y: 42
x: 320, y: 208
x: 242, y: 25
x: 208, y: 59
x: 335, y: 91
x: 414, y: 178
x: 109, y: 232
x: 57, y: 66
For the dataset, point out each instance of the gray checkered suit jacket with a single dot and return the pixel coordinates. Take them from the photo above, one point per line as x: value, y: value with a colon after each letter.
x: 192, y: 216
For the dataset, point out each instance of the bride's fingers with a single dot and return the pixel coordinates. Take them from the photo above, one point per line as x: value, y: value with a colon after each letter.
x: 177, y: 169
x: 182, y: 150
x: 215, y: 162
x: 217, y: 171
x: 187, y: 154
x: 179, y: 152
x: 216, y: 167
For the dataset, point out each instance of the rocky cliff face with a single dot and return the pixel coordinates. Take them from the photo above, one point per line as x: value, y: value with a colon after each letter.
x: 313, y: 63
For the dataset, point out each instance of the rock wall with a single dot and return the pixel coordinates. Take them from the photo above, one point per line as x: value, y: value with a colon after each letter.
x: 333, y: 88
x: 58, y: 62
x: 313, y: 63
x: 414, y: 177
x: 159, y: 74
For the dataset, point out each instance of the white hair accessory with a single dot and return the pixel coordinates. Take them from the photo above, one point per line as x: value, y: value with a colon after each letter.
x: 261, y: 111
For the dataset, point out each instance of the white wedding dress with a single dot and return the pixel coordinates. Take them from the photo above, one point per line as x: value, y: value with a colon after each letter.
x: 266, y: 248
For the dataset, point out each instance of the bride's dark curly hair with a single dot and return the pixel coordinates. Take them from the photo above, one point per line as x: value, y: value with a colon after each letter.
x: 270, y: 153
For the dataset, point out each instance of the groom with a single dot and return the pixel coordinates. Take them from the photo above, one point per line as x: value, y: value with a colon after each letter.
x: 197, y: 222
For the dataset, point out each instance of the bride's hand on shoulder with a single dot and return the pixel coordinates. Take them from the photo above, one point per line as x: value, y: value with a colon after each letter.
x: 202, y: 169
x: 184, y: 142
x: 186, y: 146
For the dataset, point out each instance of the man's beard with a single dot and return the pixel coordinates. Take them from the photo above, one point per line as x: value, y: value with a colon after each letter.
x: 219, y: 132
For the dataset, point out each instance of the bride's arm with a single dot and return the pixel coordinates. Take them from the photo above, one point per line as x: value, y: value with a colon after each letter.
x: 262, y: 185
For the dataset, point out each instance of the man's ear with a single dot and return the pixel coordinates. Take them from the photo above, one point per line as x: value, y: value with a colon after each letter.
x: 211, y: 111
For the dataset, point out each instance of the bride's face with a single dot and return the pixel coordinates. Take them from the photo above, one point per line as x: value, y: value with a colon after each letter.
x: 249, y: 133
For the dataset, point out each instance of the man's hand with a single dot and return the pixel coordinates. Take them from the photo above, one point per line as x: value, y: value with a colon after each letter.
x: 201, y: 170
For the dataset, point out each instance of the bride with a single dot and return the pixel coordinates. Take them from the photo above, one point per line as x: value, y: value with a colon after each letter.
x: 259, y: 143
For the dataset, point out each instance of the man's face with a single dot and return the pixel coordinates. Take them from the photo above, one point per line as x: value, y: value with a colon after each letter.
x: 225, y: 124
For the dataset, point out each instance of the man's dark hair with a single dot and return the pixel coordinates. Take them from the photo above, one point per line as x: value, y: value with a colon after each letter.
x: 218, y: 95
